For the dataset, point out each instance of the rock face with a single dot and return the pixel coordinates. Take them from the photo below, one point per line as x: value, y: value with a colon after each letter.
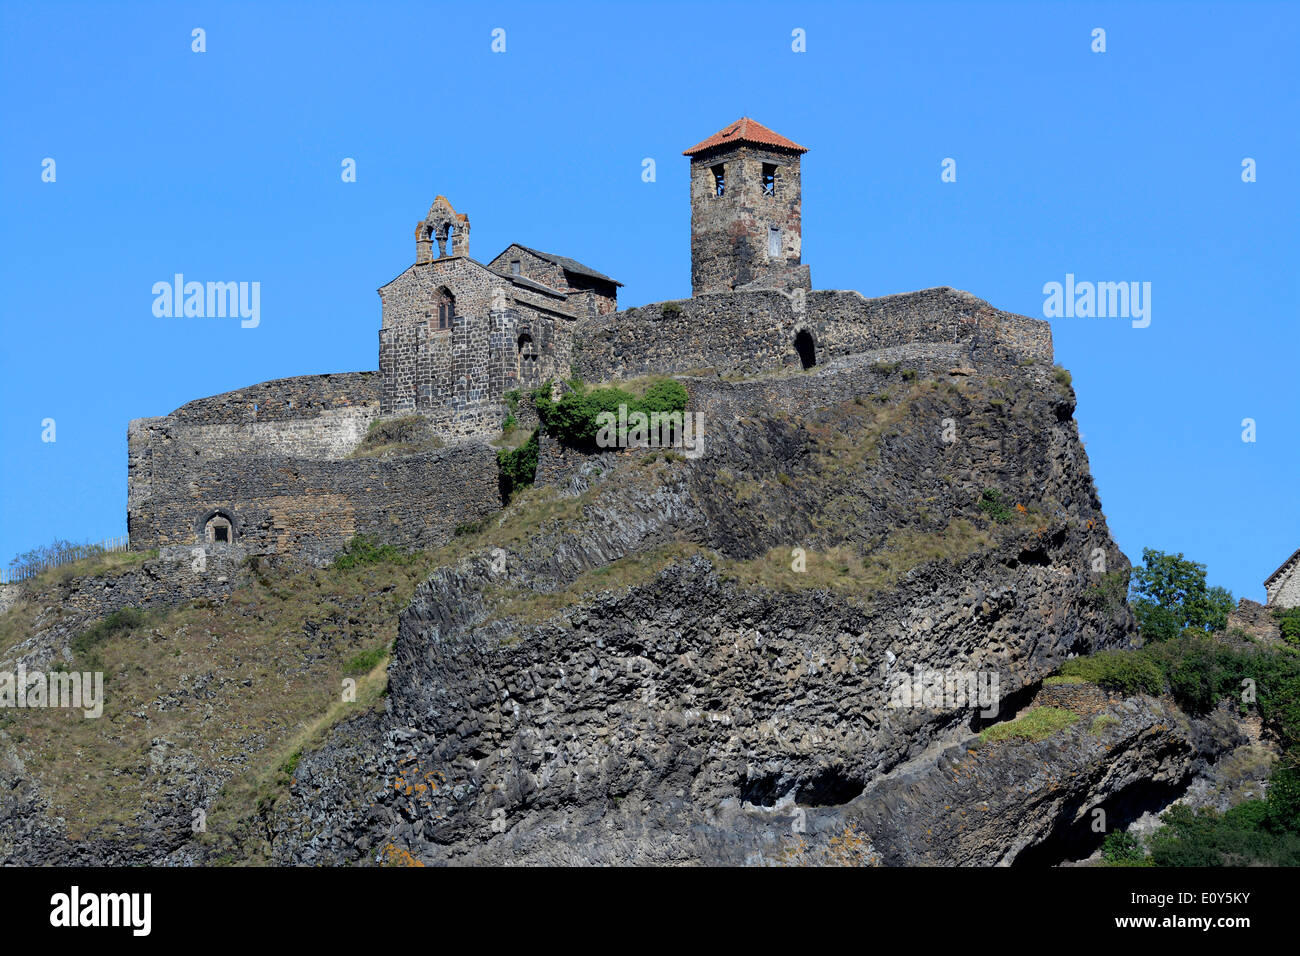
x: 637, y: 673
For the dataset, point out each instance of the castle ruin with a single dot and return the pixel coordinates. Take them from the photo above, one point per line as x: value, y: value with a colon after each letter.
x: 271, y: 468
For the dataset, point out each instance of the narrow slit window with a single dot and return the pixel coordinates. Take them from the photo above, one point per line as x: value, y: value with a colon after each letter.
x: 773, y: 241
x: 769, y: 179
x: 514, y: 267
x: 719, y: 179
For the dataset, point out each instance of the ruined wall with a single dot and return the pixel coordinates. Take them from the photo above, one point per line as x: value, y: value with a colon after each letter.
x: 281, y: 505
x: 750, y: 332
x: 729, y: 233
x: 310, y: 416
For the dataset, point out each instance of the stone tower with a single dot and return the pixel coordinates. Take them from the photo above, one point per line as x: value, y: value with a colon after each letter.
x: 746, y: 211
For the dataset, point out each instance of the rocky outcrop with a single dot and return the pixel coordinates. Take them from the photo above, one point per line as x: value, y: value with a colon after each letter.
x: 644, y: 678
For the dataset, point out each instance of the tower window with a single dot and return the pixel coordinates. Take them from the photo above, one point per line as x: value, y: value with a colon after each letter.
x: 769, y: 179
x: 514, y: 267
x: 719, y: 179
x: 773, y: 241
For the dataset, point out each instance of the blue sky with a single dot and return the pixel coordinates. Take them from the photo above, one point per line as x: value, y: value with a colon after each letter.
x: 225, y: 165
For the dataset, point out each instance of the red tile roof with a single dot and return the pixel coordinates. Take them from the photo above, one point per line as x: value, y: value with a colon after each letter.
x: 745, y: 130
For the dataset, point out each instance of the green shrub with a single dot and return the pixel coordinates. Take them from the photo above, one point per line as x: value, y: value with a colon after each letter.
x: 574, y: 419
x: 1289, y: 621
x: 363, y: 550
x: 121, y: 620
x: 1109, y: 593
x: 517, y: 467
x: 1124, y: 671
x: 1121, y: 848
x: 1236, y: 838
x: 991, y: 504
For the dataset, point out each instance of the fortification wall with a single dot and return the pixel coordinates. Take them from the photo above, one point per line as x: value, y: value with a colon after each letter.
x: 310, y: 508
x: 795, y: 394
x: 303, y: 397
x: 311, y: 416
x: 750, y: 332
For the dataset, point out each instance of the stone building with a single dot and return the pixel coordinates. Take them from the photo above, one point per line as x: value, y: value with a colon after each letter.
x: 1283, y: 585
x: 283, y: 467
x: 746, y: 209
x: 457, y: 335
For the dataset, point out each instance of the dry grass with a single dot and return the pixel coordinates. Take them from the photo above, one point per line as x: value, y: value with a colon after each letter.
x: 397, y: 437
x: 231, y: 683
x: 855, y: 576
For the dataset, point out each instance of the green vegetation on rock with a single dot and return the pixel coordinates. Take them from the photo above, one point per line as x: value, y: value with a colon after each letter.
x: 1037, y: 723
x: 573, y: 420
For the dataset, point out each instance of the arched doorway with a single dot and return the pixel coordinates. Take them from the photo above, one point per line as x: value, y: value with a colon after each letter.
x: 218, y: 529
x: 806, y: 347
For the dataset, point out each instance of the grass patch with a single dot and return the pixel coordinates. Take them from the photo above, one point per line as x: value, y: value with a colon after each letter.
x: 1037, y: 723
x: 853, y: 575
x: 238, y: 683
x: 121, y: 621
x: 363, y: 550
x: 1101, y: 722
x: 397, y: 437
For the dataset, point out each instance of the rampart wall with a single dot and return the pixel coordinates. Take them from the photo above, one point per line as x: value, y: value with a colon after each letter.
x: 751, y: 332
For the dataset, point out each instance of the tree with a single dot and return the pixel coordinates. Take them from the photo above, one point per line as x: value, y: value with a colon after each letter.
x: 1169, y: 595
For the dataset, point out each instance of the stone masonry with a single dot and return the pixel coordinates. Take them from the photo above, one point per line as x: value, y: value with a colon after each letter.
x: 270, y: 467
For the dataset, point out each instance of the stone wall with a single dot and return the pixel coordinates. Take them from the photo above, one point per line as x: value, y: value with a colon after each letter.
x: 304, y: 397
x: 1083, y: 699
x: 715, y: 399
x: 1284, y: 590
x: 310, y: 416
x: 750, y: 332
x: 310, y: 508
